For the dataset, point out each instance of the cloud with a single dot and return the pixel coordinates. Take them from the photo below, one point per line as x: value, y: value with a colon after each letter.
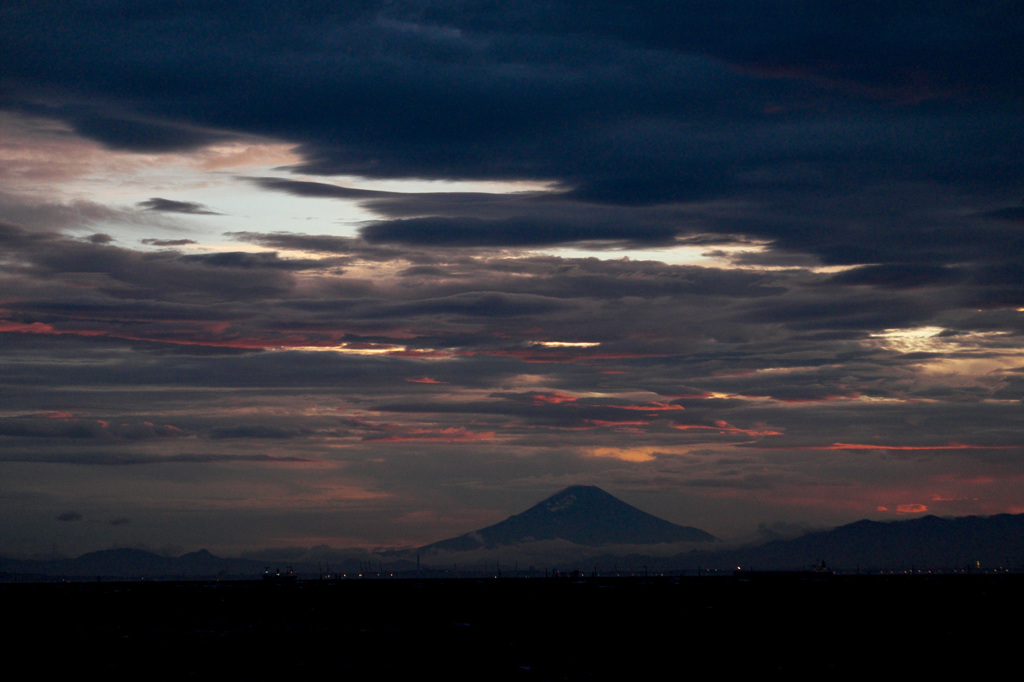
x: 121, y: 459
x: 140, y: 135
x: 168, y: 242
x: 903, y: 276
x: 726, y: 247
x: 305, y: 188
x: 511, y: 232
x: 1010, y: 213
x: 573, y: 96
x: 171, y: 206
x: 252, y: 431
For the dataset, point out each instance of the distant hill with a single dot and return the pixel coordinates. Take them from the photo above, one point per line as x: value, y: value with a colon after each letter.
x: 134, y: 563
x: 584, y: 515
x: 930, y: 542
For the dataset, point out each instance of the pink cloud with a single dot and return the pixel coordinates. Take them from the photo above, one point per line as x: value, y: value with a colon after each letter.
x: 444, y: 435
x: 865, y: 446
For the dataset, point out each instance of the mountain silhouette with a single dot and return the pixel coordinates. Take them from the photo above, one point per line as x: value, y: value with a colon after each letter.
x: 962, y: 542
x: 582, y: 514
x: 134, y: 563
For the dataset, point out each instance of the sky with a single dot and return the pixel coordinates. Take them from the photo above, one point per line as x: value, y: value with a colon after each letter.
x: 378, y: 273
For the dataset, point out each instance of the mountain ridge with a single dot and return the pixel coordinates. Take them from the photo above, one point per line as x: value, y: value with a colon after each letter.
x: 945, y: 544
x: 959, y: 542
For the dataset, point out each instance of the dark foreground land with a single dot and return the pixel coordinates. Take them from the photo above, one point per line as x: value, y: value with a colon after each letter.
x: 544, y: 629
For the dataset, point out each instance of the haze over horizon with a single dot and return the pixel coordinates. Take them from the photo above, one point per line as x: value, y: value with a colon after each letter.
x: 381, y: 273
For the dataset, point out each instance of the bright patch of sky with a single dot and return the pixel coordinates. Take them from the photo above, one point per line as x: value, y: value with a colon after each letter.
x: 215, y: 180
x: 932, y: 340
x: 671, y: 255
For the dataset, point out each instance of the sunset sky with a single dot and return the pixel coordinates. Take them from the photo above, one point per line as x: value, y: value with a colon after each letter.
x: 377, y: 273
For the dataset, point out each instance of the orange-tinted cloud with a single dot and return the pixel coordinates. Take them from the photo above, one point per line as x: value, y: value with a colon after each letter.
x: 420, y: 354
x: 42, y: 328
x: 33, y: 328
x: 610, y: 423
x: 552, y: 398
x: 649, y: 407
x: 725, y: 427
x: 623, y: 454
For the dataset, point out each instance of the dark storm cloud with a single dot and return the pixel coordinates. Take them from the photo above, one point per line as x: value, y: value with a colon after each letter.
x: 824, y: 38
x: 140, y: 135
x: 171, y: 206
x: 323, y: 190
x: 658, y: 103
x: 456, y: 88
x: 903, y: 276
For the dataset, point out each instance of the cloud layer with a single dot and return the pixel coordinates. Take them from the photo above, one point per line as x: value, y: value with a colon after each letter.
x: 737, y: 263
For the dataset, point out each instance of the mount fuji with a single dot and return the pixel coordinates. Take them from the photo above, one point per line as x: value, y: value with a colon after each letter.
x: 584, y: 515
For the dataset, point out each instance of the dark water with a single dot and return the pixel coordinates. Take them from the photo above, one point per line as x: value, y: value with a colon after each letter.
x: 517, y: 628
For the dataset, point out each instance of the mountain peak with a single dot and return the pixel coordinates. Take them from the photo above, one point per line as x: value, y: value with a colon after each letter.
x: 581, y: 514
x: 573, y: 495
